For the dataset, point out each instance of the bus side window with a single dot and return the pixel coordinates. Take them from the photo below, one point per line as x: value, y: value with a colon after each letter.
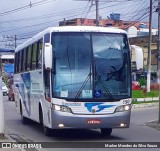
x: 28, y: 58
x: 34, y: 52
x: 18, y: 59
x: 47, y: 83
x: 15, y: 63
x: 22, y: 58
x: 39, y: 54
x: 47, y: 38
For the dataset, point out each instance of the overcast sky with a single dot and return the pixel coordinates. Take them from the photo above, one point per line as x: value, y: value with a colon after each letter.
x: 25, y: 18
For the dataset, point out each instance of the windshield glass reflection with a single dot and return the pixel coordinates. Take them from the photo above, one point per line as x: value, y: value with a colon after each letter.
x: 89, y: 65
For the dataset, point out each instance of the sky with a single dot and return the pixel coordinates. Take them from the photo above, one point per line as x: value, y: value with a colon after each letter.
x: 25, y: 18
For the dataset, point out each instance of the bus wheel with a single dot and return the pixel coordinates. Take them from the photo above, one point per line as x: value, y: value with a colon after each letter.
x: 24, y: 119
x: 47, y: 131
x: 106, y: 131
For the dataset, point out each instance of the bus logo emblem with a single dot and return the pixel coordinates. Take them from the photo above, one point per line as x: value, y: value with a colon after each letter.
x: 97, y: 107
x: 93, y: 111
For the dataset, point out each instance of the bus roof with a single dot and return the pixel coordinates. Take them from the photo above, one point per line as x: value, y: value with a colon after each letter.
x: 69, y: 29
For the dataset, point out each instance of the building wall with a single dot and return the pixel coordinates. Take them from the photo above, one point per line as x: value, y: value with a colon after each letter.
x: 132, y: 31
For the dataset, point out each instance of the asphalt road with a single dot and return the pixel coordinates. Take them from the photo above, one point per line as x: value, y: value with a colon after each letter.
x: 138, y: 131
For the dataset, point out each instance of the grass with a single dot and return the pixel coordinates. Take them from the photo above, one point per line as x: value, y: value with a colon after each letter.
x: 140, y: 94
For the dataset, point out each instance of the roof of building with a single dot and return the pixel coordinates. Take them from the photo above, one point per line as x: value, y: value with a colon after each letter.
x: 104, y: 22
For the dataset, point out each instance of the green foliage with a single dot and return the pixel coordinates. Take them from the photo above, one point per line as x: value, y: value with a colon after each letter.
x: 140, y: 94
x: 137, y: 94
x: 142, y: 81
x: 5, y: 79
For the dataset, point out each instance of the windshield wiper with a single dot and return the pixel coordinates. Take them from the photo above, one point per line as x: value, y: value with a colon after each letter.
x: 85, y: 82
x: 104, y: 86
x: 83, y: 85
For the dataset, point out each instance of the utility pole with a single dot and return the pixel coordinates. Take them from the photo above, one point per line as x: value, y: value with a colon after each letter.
x: 97, y: 9
x: 1, y: 104
x: 149, y: 49
x: 97, y: 12
x: 15, y: 41
x: 158, y: 59
x: 9, y: 42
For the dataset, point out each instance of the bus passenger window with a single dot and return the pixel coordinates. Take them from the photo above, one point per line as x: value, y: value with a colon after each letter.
x: 47, y: 83
x: 15, y: 62
x: 47, y: 38
x: 24, y: 59
x: 21, y: 62
x: 34, y: 52
x: 18, y: 58
x: 29, y: 58
x: 39, y: 55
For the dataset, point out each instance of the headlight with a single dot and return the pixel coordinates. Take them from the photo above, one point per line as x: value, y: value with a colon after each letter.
x: 123, y: 108
x: 61, y: 108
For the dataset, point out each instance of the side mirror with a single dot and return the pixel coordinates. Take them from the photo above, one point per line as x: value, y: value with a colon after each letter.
x: 48, y: 56
x: 138, y: 56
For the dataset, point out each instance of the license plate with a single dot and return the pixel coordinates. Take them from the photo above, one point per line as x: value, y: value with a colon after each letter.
x: 93, y: 121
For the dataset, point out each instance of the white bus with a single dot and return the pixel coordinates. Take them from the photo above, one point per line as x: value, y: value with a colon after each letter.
x: 74, y: 77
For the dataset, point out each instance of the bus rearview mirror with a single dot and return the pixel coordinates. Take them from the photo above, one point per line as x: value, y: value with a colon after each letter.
x: 138, y: 56
x: 48, y: 56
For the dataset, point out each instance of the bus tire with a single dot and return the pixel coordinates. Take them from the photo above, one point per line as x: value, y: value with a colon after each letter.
x: 47, y: 131
x: 24, y: 119
x: 106, y: 131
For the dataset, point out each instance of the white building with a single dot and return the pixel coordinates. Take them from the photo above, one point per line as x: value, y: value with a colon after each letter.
x: 142, y: 30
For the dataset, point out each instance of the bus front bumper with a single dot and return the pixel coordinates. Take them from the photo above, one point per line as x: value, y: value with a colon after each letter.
x: 69, y: 120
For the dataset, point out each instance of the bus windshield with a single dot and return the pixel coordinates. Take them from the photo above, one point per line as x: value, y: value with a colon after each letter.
x: 90, y: 66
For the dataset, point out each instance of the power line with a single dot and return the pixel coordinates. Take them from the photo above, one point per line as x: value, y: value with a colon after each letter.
x: 52, y: 15
x: 139, y: 5
x: 89, y: 10
x: 137, y: 13
x: 143, y: 16
x: 25, y: 7
x: 113, y: 6
x: 8, y: 42
x: 85, y: 9
x: 44, y: 16
x: 46, y: 23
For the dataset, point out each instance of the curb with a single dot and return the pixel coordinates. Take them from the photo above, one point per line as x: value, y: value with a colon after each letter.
x: 144, y: 105
x: 145, y: 99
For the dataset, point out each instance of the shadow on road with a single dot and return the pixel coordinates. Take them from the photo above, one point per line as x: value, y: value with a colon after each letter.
x: 74, y: 134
